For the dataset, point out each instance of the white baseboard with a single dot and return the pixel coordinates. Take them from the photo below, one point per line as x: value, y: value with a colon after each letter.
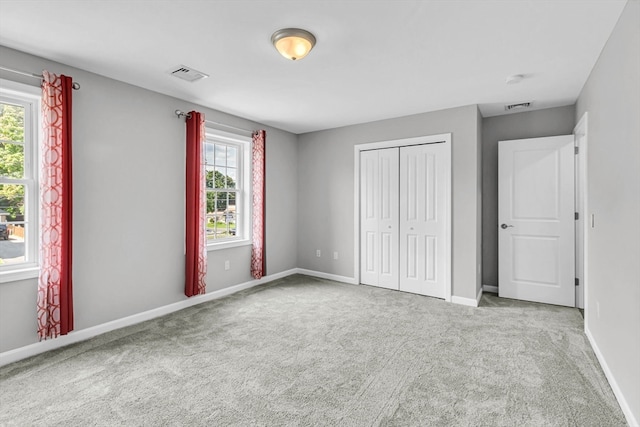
x: 328, y: 276
x: 490, y: 288
x: 352, y: 281
x: 84, y: 334
x: 468, y: 301
x: 622, y: 401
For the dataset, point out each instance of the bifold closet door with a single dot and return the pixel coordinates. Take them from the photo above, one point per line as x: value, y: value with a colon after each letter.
x: 423, y: 245
x: 379, y: 222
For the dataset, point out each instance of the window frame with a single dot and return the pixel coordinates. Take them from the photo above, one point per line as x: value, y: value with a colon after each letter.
x: 243, y: 188
x: 30, y: 98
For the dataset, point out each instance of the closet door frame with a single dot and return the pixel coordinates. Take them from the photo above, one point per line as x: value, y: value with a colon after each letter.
x: 444, y: 138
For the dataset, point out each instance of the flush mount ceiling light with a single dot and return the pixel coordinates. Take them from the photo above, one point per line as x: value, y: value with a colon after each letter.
x: 293, y: 43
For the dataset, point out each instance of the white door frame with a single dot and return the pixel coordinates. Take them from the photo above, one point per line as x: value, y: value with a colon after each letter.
x: 427, y: 139
x: 580, y: 135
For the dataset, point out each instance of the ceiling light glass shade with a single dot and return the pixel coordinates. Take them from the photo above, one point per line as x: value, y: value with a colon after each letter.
x: 293, y: 43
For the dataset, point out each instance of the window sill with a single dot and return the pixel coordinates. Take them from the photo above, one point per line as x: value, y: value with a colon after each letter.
x: 19, y: 274
x: 227, y: 245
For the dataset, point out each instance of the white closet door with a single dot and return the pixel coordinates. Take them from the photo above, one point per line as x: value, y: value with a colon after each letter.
x: 379, y: 217
x: 423, y: 240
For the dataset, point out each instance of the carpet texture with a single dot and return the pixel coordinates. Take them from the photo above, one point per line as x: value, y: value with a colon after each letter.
x: 304, y: 351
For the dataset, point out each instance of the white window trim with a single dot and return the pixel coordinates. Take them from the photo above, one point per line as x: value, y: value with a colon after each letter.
x: 244, y: 143
x: 33, y: 95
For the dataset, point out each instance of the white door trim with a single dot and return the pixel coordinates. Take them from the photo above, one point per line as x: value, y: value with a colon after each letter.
x: 580, y: 135
x: 427, y: 139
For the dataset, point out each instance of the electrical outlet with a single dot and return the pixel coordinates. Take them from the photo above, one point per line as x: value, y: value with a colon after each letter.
x: 335, y: 255
x: 318, y: 253
x: 227, y: 265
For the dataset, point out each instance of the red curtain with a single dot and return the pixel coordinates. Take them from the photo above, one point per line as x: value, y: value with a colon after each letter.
x: 195, y: 240
x: 258, y: 158
x: 55, y: 290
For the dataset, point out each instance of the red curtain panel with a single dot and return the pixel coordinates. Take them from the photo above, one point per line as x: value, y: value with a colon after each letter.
x: 258, y: 158
x: 55, y: 290
x: 195, y: 239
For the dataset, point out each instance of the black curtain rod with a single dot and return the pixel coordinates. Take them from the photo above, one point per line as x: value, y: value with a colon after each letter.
x: 76, y: 85
x: 187, y: 115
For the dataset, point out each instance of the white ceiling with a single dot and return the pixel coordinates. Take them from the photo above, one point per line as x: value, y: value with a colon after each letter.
x: 373, y: 59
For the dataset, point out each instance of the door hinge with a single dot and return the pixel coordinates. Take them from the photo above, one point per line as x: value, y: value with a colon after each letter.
x: 577, y: 282
x: 577, y: 216
x: 576, y: 150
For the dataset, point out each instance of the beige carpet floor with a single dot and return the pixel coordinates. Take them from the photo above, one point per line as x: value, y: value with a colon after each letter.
x: 303, y: 351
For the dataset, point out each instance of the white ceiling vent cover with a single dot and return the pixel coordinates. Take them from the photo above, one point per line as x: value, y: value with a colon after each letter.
x: 187, y: 73
x: 521, y: 106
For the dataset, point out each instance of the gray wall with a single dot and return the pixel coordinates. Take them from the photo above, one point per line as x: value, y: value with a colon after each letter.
x: 326, y: 190
x: 129, y: 205
x: 611, y: 96
x: 530, y: 124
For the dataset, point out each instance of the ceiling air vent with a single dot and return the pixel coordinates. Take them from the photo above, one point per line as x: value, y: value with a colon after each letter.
x: 186, y: 73
x: 521, y: 106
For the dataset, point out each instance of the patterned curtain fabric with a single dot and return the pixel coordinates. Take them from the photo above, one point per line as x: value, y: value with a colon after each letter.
x: 258, y: 259
x: 196, y: 246
x: 55, y: 290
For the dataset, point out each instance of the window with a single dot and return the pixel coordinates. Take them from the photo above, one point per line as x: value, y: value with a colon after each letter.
x: 227, y: 186
x: 19, y: 109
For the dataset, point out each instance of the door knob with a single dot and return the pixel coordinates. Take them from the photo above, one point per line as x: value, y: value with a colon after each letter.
x: 505, y: 226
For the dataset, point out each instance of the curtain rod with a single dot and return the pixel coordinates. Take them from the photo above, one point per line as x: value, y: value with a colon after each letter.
x: 187, y: 115
x: 75, y: 85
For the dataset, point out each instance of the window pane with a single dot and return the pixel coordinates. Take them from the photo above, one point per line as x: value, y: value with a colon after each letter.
x: 12, y: 247
x: 232, y: 201
x: 211, y: 215
x: 11, y: 160
x: 11, y: 202
x: 221, y: 155
x: 231, y: 214
x: 11, y: 122
x: 221, y: 204
x: 208, y: 154
x: 12, y: 226
x: 232, y: 157
x: 209, y: 179
x: 231, y: 177
x: 220, y: 177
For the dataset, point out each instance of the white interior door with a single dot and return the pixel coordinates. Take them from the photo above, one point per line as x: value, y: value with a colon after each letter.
x: 379, y: 217
x: 536, y: 220
x: 424, y: 170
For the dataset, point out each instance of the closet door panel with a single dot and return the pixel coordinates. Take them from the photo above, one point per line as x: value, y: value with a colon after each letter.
x: 379, y: 217
x: 388, y: 164
x: 422, y: 226
x: 369, y: 195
